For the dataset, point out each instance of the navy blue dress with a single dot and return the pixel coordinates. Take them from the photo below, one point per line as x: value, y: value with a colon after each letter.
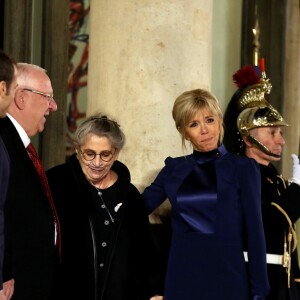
x: 215, y: 197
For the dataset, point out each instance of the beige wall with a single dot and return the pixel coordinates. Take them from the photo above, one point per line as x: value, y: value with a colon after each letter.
x: 146, y: 54
x: 291, y: 106
x: 226, y: 47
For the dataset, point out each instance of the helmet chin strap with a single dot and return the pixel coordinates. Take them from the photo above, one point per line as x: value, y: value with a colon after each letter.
x: 261, y: 146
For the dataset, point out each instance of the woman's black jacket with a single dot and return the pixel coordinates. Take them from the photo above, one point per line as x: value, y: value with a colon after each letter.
x: 129, y: 272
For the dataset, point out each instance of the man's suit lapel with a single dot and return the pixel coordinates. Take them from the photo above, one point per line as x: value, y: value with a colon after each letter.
x: 14, y: 144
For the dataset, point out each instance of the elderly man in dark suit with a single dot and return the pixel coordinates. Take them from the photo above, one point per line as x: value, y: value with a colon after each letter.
x: 31, y: 243
x: 7, y: 90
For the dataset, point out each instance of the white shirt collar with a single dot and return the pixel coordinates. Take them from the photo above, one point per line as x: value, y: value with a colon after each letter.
x: 23, y: 135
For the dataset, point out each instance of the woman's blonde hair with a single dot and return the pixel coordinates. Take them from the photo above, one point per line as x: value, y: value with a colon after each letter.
x: 187, y: 105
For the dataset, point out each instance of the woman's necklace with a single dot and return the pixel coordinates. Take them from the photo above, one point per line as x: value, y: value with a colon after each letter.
x: 104, y: 204
x: 110, y: 179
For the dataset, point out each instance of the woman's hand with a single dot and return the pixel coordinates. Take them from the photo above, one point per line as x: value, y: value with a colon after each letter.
x: 8, y: 288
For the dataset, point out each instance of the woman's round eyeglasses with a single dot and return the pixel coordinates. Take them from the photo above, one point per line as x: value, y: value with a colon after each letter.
x: 90, y: 155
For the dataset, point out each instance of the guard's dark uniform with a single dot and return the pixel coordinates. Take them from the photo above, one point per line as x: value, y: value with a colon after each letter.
x: 280, y: 208
x: 248, y: 109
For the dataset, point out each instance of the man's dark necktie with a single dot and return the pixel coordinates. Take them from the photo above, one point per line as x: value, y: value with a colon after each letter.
x: 41, y: 171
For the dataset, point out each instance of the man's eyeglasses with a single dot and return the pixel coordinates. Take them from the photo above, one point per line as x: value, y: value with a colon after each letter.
x: 49, y: 97
x: 89, y: 155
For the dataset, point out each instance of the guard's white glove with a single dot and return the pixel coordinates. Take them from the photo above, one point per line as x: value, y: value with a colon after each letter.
x: 296, y: 170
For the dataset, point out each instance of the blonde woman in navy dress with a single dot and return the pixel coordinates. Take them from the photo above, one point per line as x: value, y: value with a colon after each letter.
x: 215, y: 198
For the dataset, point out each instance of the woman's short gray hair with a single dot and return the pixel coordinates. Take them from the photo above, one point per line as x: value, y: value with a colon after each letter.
x: 100, y: 125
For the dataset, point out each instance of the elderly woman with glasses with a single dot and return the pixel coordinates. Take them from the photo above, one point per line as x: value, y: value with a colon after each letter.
x: 107, y: 251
